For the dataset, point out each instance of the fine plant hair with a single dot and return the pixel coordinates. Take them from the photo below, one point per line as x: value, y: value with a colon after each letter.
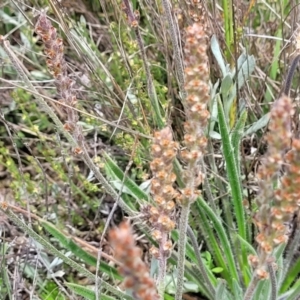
x: 179, y: 214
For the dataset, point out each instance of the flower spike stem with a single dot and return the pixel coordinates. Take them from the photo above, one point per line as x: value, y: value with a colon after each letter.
x: 251, y: 288
x: 181, y: 249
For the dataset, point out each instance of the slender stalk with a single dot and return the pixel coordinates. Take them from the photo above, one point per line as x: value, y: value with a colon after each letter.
x: 290, y: 75
x: 273, y: 280
x: 251, y: 288
x: 175, y: 39
x: 162, y: 269
x: 207, y: 282
x: 181, y: 249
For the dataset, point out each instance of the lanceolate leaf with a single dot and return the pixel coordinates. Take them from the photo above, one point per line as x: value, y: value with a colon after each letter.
x: 85, y: 292
x: 79, y: 252
x: 232, y: 172
x: 117, y: 174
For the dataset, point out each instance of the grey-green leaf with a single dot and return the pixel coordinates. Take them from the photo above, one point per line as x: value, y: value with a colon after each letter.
x: 215, y: 48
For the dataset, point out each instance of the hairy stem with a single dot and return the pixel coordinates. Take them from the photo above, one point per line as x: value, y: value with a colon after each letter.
x: 273, y: 280
x: 175, y: 39
x: 181, y: 249
x: 251, y: 288
x: 207, y: 282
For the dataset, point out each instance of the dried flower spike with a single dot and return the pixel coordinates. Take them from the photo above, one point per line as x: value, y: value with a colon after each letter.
x: 54, y: 50
x: 160, y: 217
x: 195, y: 105
x: 163, y: 153
x: 136, y: 272
x: 277, y: 207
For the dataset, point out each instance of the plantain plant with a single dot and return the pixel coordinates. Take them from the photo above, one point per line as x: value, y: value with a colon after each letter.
x: 155, y: 122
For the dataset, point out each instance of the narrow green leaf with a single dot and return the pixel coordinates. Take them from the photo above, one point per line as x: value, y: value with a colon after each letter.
x: 291, y: 276
x: 129, y: 184
x: 249, y: 248
x: 83, y: 291
x: 295, y: 291
x: 259, y: 124
x: 238, y: 131
x: 225, y: 244
x: 236, y: 136
x: 220, y: 290
x: 211, y: 240
x: 215, y: 48
x: 232, y: 173
x: 60, y: 255
x: 226, y: 85
x: 228, y: 24
x: 79, y: 252
x: 237, y: 290
x: 235, y: 186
